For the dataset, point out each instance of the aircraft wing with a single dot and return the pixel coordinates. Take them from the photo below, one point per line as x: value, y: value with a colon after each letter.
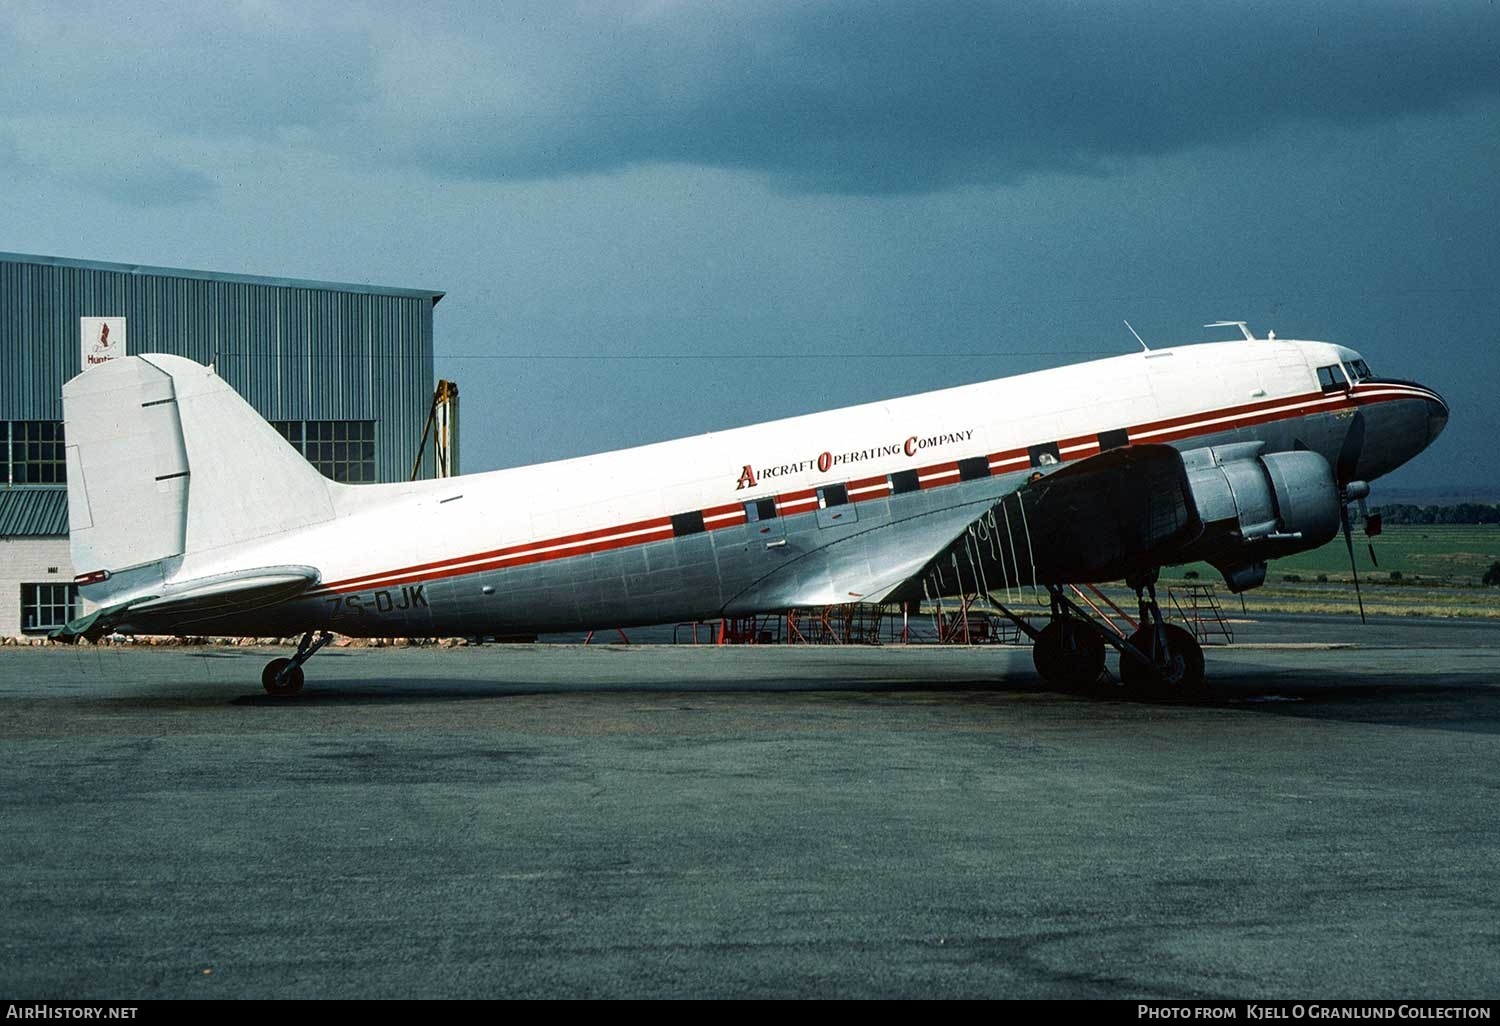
x: 865, y: 567
x: 1106, y: 518
x: 1102, y: 518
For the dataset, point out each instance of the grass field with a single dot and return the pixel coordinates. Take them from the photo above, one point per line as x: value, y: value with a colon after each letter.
x: 1424, y: 571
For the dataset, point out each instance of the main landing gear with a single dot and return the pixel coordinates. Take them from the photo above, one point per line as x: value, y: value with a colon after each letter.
x: 1069, y: 652
x: 1157, y: 660
x: 284, y: 676
x: 1160, y: 660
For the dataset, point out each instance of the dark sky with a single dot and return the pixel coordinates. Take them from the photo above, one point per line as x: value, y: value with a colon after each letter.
x: 653, y: 219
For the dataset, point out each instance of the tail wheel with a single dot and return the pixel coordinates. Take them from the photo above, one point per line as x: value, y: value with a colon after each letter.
x: 1179, y: 670
x: 291, y: 684
x: 1068, y: 655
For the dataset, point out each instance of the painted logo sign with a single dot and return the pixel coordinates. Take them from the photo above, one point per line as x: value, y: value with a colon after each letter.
x: 103, y: 339
x: 826, y: 461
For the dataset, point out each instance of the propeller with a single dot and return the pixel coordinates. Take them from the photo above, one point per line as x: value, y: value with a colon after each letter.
x: 1351, y: 490
x: 1347, y: 465
x: 1349, y: 543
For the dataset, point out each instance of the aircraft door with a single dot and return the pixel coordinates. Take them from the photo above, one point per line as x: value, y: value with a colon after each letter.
x: 763, y: 524
x: 834, y: 507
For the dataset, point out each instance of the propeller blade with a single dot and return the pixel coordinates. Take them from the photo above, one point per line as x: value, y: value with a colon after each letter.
x: 1349, y: 543
x: 1349, y: 452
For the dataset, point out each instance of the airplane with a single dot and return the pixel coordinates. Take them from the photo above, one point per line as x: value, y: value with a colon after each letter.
x: 189, y: 514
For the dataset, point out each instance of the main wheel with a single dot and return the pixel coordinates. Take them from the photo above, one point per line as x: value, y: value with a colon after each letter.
x: 1068, y: 655
x: 290, y: 685
x: 1179, y: 671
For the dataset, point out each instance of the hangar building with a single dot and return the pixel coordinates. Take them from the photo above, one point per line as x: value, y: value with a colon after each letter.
x: 345, y: 372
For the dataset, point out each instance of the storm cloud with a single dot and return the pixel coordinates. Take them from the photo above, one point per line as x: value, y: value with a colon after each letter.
x: 847, y: 97
x: 722, y: 212
x: 899, y: 97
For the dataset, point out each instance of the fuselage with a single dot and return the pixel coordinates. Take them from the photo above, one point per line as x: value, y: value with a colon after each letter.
x: 825, y: 508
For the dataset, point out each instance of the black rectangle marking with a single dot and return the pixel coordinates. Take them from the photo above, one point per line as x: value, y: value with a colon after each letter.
x: 1116, y: 439
x: 903, y: 481
x: 687, y: 523
x: 974, y: 468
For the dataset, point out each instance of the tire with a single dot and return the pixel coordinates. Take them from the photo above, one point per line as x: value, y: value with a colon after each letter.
x: 1179, y: 676
x: 290, y: 686
x: 1069, y: 656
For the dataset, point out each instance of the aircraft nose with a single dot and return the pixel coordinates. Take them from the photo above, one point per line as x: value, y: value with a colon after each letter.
x: 1437, y: 417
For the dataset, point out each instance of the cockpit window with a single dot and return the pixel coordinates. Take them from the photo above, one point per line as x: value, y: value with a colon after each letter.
x: 1359, y: 370
x: 1332, y: 378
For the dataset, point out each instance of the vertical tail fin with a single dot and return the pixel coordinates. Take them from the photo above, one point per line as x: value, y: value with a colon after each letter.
x: 165, y: 459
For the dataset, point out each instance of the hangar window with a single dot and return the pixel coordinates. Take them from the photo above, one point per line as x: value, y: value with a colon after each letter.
x: 35, y: 452
x: 343, y: 450
x: 46, y: 607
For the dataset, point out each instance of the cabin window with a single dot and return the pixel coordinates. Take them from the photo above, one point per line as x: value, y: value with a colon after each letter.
x: 833, y: 495
x: 1331, y: 378
x: 46, y: 607
x: 974, y: 468
x: 1045, y: 455
x: 760, y: 509
x: 687, y: 523
x: 905, y: 481
x: 1117, y: 439
x: 34, y: 452
x: 690, y: 522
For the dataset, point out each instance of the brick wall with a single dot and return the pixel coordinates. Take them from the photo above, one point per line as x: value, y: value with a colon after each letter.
x: 26, y: 560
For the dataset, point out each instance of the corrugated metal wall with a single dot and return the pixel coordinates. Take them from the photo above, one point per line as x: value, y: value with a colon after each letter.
x: 33, y: 512
x: 295, y: 350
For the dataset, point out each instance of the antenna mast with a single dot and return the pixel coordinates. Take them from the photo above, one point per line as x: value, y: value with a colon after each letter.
x: 1244, y: 328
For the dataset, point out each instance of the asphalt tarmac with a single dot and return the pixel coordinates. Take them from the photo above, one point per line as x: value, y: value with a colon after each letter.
x: 658, y: 821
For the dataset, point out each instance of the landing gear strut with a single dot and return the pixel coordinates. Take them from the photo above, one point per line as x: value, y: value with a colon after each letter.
x: 1160, y: 658
x: 284, y: 676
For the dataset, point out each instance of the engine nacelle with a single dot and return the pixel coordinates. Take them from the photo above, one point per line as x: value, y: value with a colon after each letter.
x: 1256, y: 507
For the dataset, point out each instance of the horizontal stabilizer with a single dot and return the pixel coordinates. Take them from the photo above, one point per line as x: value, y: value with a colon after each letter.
x: 186, y: 601
x: 243, y: 590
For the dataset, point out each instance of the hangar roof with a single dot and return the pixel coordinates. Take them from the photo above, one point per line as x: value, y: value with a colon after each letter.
x: 249, y: 279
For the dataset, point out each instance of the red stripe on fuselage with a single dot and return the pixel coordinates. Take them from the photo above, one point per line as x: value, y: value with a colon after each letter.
x: 938, y: 475
x: 796, y: 502
x: 654, y: 524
